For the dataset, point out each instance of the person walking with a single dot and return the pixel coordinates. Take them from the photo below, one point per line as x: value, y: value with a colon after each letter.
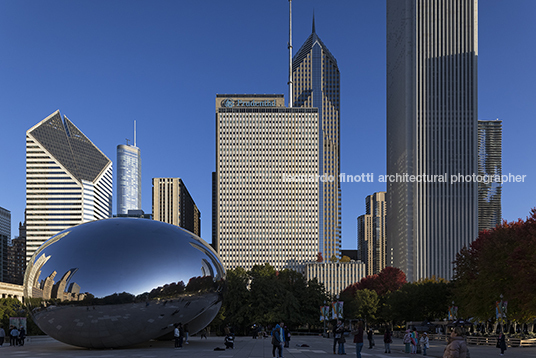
x: 370, y: 337
x: 277, y: 340
x: 414, y: 341
x: 22, y: 336
x: 342, y: 341
x: 186, y: 333
x: 501, y: 342
x: 358, y: 338
x: 407, y: 341
x: 2, y: 336
x: 287, y: 337
x: 457, y: 348
x: 337, y: 335
x: 178, y: 334
x: 425, y: 343
x: 387, y: 340
x: 14, y: 333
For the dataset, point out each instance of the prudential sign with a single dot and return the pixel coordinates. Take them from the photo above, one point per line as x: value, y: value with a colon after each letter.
x: 230, y: 103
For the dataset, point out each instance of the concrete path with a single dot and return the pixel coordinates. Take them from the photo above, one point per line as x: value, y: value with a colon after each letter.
x: 318, y: 347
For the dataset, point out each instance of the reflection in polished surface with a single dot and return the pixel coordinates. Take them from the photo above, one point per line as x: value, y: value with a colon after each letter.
x: 122, y: 281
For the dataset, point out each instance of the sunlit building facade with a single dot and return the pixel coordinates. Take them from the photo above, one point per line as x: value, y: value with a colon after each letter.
x: 68, y: 180
x: 316, y: 80
x: 266, y: 184
x: 371, y: 233
x: 128, y: 178
x: 173, y: 204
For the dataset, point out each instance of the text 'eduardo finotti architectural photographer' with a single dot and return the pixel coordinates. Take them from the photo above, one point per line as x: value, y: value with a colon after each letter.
x: 406, y: 178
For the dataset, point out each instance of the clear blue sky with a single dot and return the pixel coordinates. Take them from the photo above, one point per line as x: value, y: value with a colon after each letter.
x: 104, y: 64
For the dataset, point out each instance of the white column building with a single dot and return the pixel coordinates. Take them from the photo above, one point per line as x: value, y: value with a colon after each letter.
x: 68, y: 180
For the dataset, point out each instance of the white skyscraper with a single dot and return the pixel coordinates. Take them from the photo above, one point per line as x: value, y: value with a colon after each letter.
x: 266, y: 183
x: 68, y: 180
x: 432, y: 50
x: 128, y: 178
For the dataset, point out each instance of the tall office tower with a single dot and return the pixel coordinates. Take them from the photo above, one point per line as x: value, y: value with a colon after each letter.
x: 431, y: 131
x: 16, y: 257
x: 128, y: 178
x: 489, y: 164
x: 266, y: 185
x: 68, y: 180
x: 173, y: 204
x: 5, y: 238
x: 317, y: 84
x: 5, y: 222
x: 371, y: 233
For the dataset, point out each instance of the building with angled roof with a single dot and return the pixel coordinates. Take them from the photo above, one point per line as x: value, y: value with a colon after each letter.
x: 68, y: 180
x: 316, y: 80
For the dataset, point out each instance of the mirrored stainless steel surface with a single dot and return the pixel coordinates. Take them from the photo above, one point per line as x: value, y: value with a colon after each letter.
x: 122, y: 281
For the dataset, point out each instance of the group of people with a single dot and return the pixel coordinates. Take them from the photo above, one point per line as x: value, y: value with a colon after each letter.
x: 181, y: 334
x: 414, y: 344
x: 16, y: 336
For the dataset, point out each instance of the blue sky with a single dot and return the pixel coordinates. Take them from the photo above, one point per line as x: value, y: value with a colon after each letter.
x: 104, y: 64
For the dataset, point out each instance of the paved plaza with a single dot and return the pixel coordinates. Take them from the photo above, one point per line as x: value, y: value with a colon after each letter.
x: 318, y: 347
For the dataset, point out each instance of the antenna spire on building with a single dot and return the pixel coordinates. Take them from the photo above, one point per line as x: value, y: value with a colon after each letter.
x: 134, y: 133
x: 290, y: 54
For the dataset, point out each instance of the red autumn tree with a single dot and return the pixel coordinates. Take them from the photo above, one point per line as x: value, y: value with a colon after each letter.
x: 499, y: 262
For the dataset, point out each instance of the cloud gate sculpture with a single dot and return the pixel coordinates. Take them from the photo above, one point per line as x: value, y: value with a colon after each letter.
x: 122, y: 281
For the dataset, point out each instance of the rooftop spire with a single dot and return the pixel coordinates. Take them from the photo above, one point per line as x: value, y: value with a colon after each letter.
x: 314, y: 22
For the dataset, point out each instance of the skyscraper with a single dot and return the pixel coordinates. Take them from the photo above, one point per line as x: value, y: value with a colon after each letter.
x: 266, y: 185
x: 316, y: 82
x: 128, y: 178
x: 173, y: 204
x: 5, y: 237
x: 68, y: 180
x: 371, y: 233
x: 489, y: 164
x: 432, y: 51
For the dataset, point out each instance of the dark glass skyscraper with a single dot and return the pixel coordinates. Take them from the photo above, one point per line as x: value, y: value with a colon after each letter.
x: 316, y: 81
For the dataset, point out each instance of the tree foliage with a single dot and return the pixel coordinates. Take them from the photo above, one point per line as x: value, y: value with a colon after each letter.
x: 264, y: 296
x: 501, y: 261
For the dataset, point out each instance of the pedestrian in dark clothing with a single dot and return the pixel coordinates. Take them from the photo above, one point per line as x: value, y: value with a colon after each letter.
x: 387, y: 340
x: 501, y: 342
x: 229, y: 341
x: 22, y: 336
x: 358, y: 338
x: 370, y: 337
x: 179, y: 335
x: 337, y: 334
x: 287, y: 337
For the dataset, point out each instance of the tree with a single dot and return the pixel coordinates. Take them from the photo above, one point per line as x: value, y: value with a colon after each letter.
x: 345, y: 259
x: 499, y: 262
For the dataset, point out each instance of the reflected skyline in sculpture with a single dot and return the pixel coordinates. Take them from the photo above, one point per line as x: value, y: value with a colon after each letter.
x: 130, y: 279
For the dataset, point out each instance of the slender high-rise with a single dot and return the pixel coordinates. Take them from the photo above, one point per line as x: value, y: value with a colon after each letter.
x: 173, y: 204
x: 68, y: 180
x: 432, y: 50
x: 316, y: 83
x: 489, y: 165
x: 371, y: 233
x: 128, y: 177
